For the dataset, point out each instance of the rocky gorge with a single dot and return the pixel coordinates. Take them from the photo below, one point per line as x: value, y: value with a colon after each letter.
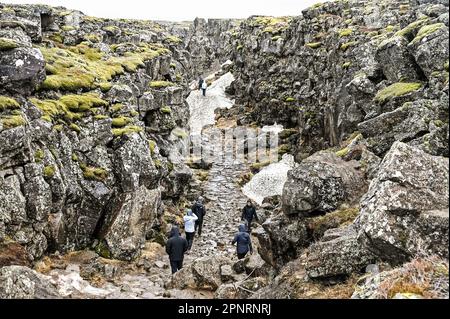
x: 94, y: 112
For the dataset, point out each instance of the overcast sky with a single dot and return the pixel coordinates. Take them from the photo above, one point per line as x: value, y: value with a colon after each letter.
x: 177, y: 10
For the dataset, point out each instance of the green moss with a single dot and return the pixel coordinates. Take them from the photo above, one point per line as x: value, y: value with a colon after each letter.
x: 67, y: 28
x: 7, y: 44
x: 58, y: 127
x: 75, y: 157
x: 152, y: 146
x: 314, y: 45
x: 94, y: 173
x: 103, y: 250
x: 343, y: 152
x: 277, y: 37
x: 116, y: 107
x: 160, y: 84
x: 396, y: 90
x: 99, y: 117
x: 345, y: 32
x: 283, y: 149
x: 412, y: 27
x: 158, y: 164
x: 290, y: 99
x: 83, y: 102
x: 7, y: 103
x: 95, y: 38
x: 239, y: 47
x: 39, y: 156
x: 104, y: 86
x: 446, y: 66
x: 347, y: 45
x: 346, y: 65
x: 319, y: 225
x: 428, y: 30
x: 173, y: 39
x: 287, y: 133
x: 82, y: 67
x: 112, y: 29
x: 120, y: 121
x: 126, y: 130
x: 56, y: 37
x: 271, y: 25
x: 75, y: 128
x: 13, y: 121
x: 49, y: 171
x: 166, y: 110
x: 134, y: 113
x: 69, y: 106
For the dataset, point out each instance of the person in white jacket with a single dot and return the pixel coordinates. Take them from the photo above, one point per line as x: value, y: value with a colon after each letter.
x: 204, y: 87
x: 189, y: 227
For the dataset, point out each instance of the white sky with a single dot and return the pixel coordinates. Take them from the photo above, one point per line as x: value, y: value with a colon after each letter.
x: 177, y: 10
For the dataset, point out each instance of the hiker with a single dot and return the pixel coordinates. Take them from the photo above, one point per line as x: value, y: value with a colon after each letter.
x: 244, y: 243
x: 248, y: 214
x: 200, y: 211
x: 189, y: 227
x: 200, y: 82
x: 176, y: 246
x: 204, y: 87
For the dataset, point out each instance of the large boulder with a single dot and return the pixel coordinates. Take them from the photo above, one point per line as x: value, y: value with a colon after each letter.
x: 281, y: 239
x: 19, y: 282
x: 203, y: 274
x: 430, y: 48
x: 396, y: 61
x: 338, y: 254
x: 21, y: 70
x: 405, y: 211
x: 321, y: 183
x: 131, y: 215
x: 406, y: 124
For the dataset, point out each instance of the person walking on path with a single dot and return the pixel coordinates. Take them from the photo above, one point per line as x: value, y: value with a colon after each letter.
x: 200, y: 211
x: 189, y: 227
x: 200, y: 82
x: 176, y: 246
x: 244, y: 242
x: 204, y: 87
x: 248, y: 214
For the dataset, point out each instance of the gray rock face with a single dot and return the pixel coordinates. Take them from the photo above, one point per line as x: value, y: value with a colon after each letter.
x: 320, y: 184
x: 430, y: 48
x: 338, y: 254
x: 406, y: 124
x: 18, y: 282
x: 396, y: 60
x: 282, y: 239
x: 21, y: 70
x: 405, y: 211
x: 132, y: 214
x: 73, y: 174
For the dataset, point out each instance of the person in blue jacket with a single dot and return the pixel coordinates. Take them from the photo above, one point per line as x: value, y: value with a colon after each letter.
x: 243, y: 241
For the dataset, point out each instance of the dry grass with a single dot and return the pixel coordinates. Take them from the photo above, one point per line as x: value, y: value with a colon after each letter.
x: 425, y: 276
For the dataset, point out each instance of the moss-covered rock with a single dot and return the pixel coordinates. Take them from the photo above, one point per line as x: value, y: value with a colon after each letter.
x: 7, y: 44
x: 12, y: 121
x: 49, y: 171
x: 396, y: 90
x: 7, y: 103
x: 160, y: 84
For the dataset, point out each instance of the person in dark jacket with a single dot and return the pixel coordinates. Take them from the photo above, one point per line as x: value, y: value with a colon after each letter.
x: 200, y: 211
x: 200, y: 83
x: 176, y: 246
x: 244, y: 242
x: 248, y: 214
